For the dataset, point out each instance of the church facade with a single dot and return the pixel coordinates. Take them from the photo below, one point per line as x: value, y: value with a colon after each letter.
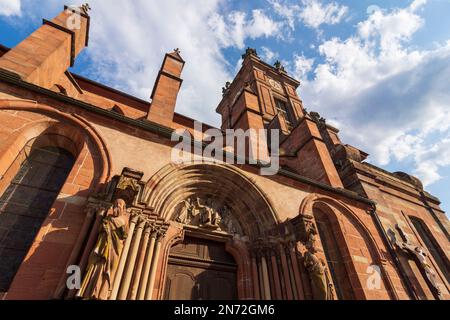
x: 92, y: 205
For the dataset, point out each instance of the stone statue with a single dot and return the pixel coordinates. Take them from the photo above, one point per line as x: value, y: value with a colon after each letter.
x: 279, y: 66
x: 104, y: 258
x: 227, y: 220
x: 186, y: 212
x: 248, y: 52
x: 321, y: 286
x: 208, y: 215
x: 85, y: 8
x: 226, y: 88
x: 418, y: 254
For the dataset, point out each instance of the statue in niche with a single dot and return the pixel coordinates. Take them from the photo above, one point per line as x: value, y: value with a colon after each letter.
x: 322, y: 287
x: 185, y: 215
x: 418, y: 254
x: 104, y: 258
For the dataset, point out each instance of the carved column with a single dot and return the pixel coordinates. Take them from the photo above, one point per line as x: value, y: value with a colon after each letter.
x: 140, y: 263
x: 153, y: 268
x: 276, y: 275
x: 265, y: 292
x: 286, y: 277
x: 291, y: 274
x: 295, y: 267
x: 128, y: 273
x: 147, y: 263
x: 255, y: 279
x: 123, y: 259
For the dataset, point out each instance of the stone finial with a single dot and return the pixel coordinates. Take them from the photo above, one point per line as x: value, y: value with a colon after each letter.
x: 226, y: 88
x: 85, y: 8
x: 316, y: 117
x: 177, y: 50
x: 279, y: 66
x: 249, y: 51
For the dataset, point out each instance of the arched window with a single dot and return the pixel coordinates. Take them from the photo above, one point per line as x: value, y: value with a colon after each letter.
x: 331, y: 247
x: 25, y: 204
x: 432, y: 246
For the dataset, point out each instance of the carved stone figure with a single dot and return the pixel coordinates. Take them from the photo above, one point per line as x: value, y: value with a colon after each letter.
x: 418, y: 254
x: 206, y: 214
x: 186, y: 212
x: 321, y: 286
x: 308, y: 231
x: 422, y: 258
x: 105, y: 256
x: 86, y: 8
x: 227, y: 220
x: 249, y: 51
x: 279, y: 66
x: 226, y: 88
x: 209, y: 217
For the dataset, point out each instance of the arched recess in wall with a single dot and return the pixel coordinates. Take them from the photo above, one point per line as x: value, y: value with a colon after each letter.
x: 72, y: 126
x: 50, y: 130
x: 226, y: 185
x: 348, y: 246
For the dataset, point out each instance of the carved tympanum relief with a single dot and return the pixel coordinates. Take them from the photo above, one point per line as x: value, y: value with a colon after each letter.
x: 205, y: 213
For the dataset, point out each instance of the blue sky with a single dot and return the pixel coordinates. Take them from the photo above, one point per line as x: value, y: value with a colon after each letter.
x: 378, y: 70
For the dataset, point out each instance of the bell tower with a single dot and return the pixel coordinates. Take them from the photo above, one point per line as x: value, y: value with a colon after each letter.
x: 262, y: 96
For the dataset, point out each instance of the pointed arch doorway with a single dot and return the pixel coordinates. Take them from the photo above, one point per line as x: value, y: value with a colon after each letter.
x: 200, y: 269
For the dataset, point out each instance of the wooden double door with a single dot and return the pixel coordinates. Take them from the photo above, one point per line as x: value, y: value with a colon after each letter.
x: 200, y: 269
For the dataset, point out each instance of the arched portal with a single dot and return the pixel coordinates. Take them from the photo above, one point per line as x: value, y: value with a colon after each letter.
x: 218, y: 211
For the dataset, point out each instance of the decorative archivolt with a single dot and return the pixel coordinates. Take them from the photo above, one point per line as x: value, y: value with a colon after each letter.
x: 196, y: 192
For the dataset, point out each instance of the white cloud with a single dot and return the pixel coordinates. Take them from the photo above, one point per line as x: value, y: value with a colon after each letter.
x: 268, y: 55
x: 417, y: 4
x: 262, y: 25
x: 390, y: 98
x: 233, y: 28
x: 289, y: 12
x: 10, y: 8
x: 302, y: 66
x: 313, y: 13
